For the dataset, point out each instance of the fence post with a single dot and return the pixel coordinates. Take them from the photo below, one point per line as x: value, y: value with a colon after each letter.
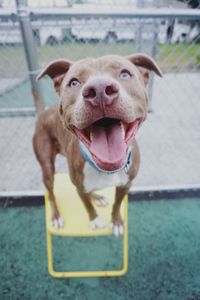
x: 153, y: 55
x: 139, y: 27
x: 30, y: 52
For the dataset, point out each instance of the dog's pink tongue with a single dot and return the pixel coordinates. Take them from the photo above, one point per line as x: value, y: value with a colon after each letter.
x: 108, y: 145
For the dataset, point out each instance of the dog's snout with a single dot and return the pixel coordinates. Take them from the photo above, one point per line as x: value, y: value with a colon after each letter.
x: 99, y: 92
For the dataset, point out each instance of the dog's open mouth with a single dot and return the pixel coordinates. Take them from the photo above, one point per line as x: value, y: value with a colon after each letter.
x: 107, y: 140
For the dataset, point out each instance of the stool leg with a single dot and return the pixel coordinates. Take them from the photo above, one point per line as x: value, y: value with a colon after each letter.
x: 50, y: 253
x: 125, y: 237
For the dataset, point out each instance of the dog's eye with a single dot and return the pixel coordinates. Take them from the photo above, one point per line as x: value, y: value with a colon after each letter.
x: 124, y: 74
x: 74, y: 82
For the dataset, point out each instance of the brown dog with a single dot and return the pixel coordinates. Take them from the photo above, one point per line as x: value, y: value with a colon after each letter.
x: 102, y: 104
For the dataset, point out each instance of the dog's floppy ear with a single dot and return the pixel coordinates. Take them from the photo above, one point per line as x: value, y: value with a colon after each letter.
x: 56, y: 70
x: 145, y: 64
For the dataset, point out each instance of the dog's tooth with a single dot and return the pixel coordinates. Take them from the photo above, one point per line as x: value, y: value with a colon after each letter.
x: 123, y: 131
x: 91, y: 135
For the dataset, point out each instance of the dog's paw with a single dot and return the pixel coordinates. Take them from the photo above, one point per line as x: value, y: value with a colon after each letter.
x: 101, y: 202
x: 97, y: 223
x: 117, y: 229
x: 57, y: 222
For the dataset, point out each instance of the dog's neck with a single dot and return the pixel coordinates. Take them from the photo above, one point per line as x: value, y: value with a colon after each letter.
x: 88, y: 158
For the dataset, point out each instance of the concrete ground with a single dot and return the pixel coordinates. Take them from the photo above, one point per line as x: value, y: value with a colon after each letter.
x: 169, y: 141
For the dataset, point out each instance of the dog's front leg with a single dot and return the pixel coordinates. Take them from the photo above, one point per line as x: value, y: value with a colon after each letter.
x: 46, y: 154
x: 48, y: 178
x: 95, y: 220
x: 117, y: 221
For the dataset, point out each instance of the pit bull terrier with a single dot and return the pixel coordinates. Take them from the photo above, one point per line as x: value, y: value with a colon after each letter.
x: 103, y: 102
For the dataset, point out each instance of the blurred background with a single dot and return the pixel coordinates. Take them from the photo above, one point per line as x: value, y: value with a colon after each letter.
x: 32, y: 33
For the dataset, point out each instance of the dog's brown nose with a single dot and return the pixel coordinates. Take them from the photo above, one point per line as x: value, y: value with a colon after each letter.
x: 99, y: 92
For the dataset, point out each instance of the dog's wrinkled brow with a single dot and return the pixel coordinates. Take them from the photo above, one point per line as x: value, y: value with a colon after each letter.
x: 80, y: 72
x: 114, y: 65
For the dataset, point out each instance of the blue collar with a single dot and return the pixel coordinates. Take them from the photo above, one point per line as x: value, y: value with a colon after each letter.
x: 88, y: 158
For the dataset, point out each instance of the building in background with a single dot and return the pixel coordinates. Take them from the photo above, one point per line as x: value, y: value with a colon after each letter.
x: 51, y: 32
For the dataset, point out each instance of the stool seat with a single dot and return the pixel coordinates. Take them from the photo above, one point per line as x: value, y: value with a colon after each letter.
x: 77, y: 223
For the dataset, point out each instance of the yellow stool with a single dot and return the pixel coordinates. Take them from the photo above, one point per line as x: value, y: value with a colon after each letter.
x: 77, y: 224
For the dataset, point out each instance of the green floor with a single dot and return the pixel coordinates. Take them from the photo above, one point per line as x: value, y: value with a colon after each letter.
x: 164, y: 256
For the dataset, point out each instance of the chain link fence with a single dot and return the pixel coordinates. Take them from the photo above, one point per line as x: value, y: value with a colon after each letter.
x: 170, y: 138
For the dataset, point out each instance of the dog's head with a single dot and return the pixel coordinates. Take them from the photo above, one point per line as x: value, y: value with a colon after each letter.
x: 103, y: 101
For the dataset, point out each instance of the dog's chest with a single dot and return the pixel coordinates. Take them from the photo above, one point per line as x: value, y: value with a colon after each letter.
x: 95, y: 180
